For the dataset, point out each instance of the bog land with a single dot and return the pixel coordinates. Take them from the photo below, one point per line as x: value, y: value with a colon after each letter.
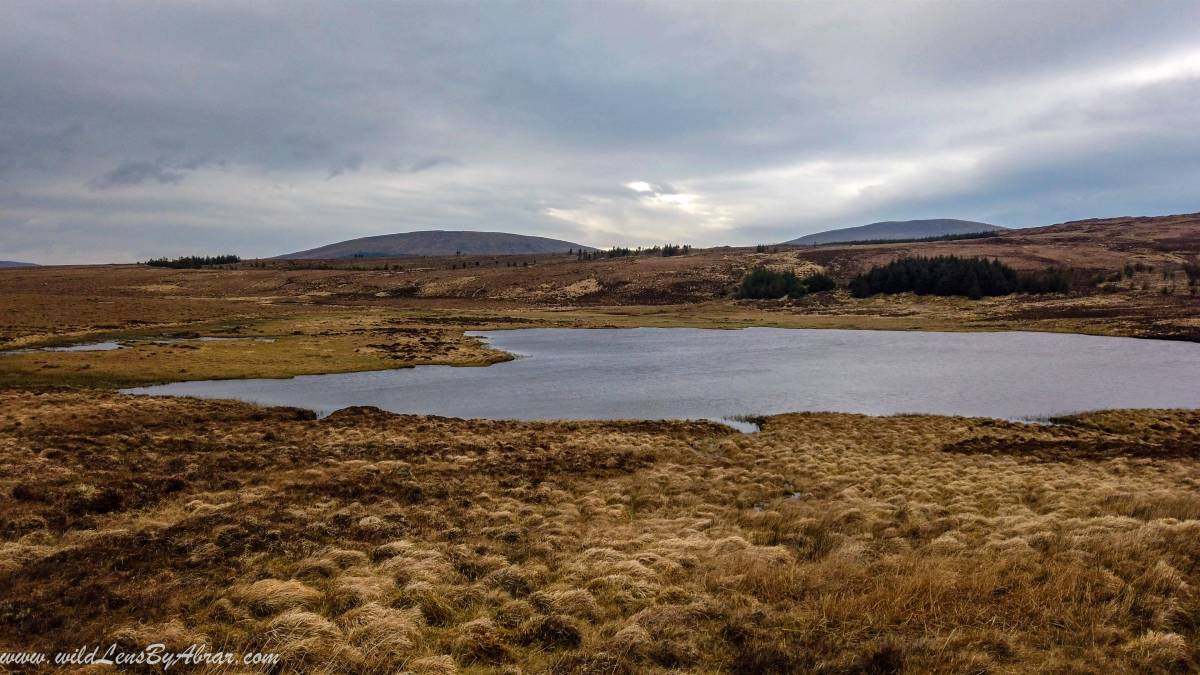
x: 371, y: 542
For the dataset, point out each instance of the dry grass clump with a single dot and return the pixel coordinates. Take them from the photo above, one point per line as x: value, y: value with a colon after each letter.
x: 174, y: 635
x: 550, y: 632
x: 443, y: 664
x: 1158, y: 651
x: 307, y: 642
x: 269, y: 596
x: 479, y: 640
x: 385, y: 637
x: 575, y: 602
x: 375, y: 543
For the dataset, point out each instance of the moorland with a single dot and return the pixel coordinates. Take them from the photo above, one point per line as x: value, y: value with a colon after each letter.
x: 370, y: 542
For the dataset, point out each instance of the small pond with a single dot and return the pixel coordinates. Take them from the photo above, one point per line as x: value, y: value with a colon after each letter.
x: 110, y: 345
x: 85, y: 347
x: 682, y: 373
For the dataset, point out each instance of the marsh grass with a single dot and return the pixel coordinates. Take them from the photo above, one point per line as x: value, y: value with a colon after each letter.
x: 306, y: 345
x: 373, y: 543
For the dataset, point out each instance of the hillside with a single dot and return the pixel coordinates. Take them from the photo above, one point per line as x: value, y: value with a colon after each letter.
x: 897, y: 229
x: 438, y: 243
x: 13, y: 263
x: 1096, y: 247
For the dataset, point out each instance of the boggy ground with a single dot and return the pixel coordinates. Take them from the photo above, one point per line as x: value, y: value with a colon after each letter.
x: 307, y: 342
x: 370, y: 543
x: 354, y: 315
x: 300, y: 335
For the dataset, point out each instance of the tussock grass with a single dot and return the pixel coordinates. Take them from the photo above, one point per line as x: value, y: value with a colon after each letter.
x: 269, y: 596
x: 384, y: 636
x: 373, y: 543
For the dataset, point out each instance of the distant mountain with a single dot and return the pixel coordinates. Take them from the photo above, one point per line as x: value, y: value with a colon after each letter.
x: 438, y: 242
x: 898, y: 229
x: 10, y: 263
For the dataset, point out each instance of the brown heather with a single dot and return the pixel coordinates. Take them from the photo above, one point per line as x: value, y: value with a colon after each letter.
x: 375, y: 543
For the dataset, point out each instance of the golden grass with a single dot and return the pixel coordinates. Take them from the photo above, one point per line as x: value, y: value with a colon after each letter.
x: 305, y: 345
x: 372, y: 543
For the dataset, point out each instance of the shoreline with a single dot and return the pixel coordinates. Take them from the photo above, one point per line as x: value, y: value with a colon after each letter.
x: 350, y: 355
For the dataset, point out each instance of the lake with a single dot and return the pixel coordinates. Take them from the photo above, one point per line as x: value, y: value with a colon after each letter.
x: 684, y: 373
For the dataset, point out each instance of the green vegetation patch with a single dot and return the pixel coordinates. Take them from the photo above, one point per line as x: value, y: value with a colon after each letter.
x: 950, y: 275
x: 766, y: 284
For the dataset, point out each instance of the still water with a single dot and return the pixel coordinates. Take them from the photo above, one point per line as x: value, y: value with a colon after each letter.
x: 86, y: 347
x: 682, y: 373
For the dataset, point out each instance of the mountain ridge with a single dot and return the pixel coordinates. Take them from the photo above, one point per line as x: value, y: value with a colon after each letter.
x: 437, y: 243
x: 897, y: 229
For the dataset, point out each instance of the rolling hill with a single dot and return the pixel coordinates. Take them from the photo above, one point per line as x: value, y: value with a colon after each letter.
x: 897, y: 229
x: 436, y: 243
x: 13, y: 263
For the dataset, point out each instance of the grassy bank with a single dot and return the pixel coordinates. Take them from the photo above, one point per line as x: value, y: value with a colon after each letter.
x: 314, y: 343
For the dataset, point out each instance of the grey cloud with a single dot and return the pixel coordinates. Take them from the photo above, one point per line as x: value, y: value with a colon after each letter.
x: 660, y: 188
x: 200, y: 162
x: 347, y: 165
x: 750, y: 122
x: 136, y: 173
x: 431, y: 162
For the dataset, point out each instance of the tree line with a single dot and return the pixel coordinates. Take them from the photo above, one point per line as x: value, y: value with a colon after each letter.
x: 950, y: 275
x: 665, y: 251
x: 193, y: 261
x: 766, y: 284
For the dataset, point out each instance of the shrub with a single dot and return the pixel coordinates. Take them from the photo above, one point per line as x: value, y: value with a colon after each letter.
x: 765, y: 284
x: 1049, y: 280
x: 819, y: 283
x: 1192, y: 270
x: 762, y: 283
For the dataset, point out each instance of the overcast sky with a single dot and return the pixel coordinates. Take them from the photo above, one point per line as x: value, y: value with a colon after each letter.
x: 135, y: 129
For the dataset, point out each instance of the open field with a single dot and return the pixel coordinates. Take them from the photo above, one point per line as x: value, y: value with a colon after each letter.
x: 374, y: 543
x: 370, y: 543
